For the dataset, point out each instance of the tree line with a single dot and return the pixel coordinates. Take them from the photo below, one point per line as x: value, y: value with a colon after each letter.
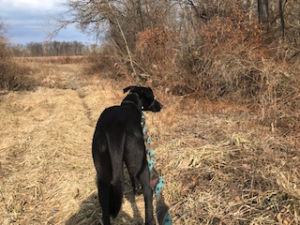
x: 53, y: 48
x: 125, y: 22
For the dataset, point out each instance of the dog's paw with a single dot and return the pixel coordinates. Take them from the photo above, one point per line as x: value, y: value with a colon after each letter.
x: 138, y: 191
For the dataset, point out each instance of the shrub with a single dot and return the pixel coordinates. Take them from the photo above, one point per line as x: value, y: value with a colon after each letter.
x: 12, y: 75
x: 156, y: 51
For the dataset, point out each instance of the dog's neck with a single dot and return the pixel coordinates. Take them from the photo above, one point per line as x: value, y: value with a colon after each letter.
x: 132, y: 98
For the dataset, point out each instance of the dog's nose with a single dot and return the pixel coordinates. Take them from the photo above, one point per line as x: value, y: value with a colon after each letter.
x: 155, y: 106
x: 160, y: 105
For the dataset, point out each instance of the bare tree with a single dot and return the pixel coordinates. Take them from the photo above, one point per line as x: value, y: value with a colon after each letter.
x: 36, y: 49
x: 196, y: 10
x: 2, y: 27
x: 281, y: 8
x: 78, y: 48
x: 140, y: 13
x: 263, y: 12
x: 248, y: 4
x: 97, y: 17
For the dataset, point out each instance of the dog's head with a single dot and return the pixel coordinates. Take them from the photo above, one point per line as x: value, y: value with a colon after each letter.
x: 143, y: 97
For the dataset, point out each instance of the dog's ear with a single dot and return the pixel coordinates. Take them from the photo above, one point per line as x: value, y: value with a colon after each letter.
x: 148, y: 92
x: 127, y: 89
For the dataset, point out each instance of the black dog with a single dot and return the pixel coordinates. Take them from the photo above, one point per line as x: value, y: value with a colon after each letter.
x: 119, y: 137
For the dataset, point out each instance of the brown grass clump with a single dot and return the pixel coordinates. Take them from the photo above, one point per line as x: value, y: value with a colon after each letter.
x: 220, y: 163
x: 230, y: 58
x: 12, y: 75
x: 156, y: 52
x: 109, y: 64
x: 35, y: 155
x: 50, y: 72
x: 104, y: 64
x: 229, y: 169
x: 54, y: 59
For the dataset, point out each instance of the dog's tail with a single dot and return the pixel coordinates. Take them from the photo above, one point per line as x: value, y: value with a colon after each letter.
x: 116, y: 141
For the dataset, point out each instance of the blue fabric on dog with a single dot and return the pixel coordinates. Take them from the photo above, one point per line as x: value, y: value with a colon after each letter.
x: 159, y: 186
x: 161, y: 181
x: 151, y: 163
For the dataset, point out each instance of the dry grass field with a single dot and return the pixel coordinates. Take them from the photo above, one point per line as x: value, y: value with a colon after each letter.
x: 220, y: 164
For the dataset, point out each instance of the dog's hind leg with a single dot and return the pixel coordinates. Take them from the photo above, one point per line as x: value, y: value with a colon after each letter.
x: 136, y: 162
x: 132, y: 170
x: 115, y: 140
x: 103, y: 184
x: 103, y: 195
x: 103, y: 166
x: 144, y: 179
x: 132, y: 158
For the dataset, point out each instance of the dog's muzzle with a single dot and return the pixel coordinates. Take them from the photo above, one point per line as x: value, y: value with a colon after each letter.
x: 155, y: 106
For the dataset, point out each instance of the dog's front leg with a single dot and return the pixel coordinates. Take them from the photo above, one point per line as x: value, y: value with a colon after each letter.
x: 148, y: 198
x: 148, y: 195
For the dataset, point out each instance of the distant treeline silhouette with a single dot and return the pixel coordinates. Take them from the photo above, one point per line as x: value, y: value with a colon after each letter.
x: 53, y: 48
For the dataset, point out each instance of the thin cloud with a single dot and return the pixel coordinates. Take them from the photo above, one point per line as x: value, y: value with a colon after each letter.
x: 26, y: 20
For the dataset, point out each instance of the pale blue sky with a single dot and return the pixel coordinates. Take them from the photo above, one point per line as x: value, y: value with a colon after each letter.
x: 26, y: 20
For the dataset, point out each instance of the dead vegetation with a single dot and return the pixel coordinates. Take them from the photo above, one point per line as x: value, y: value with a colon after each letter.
x: 221, y: 164
x: 231, y: 170
x: 54, y: 59
x: 12, y: 75
x: 227, y: 139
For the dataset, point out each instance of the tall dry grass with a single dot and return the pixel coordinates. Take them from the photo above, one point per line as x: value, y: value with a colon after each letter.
x: 12, y: 75
x: 248, y: 73
x: 229, y: 168
x: 54, y: 59
x: 229, y: 59
x: 220, y: 163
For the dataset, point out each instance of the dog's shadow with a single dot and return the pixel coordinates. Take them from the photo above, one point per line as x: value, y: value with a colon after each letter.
x: 90, y: 210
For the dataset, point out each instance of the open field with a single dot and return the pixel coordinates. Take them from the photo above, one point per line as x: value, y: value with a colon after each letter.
x: 220, y: 164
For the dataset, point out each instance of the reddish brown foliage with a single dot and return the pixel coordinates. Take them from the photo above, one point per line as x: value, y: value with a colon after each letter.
x: 156, y: 49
